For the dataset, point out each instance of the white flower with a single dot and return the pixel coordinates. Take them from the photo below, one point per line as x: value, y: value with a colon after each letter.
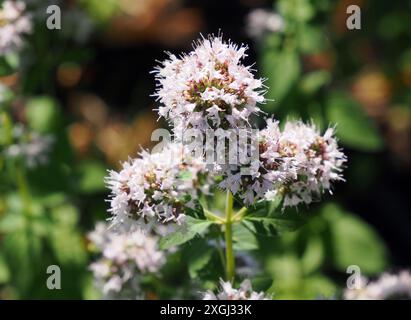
x: 157, y: 187
x: 32, y: 147
x: 297, y: 163
x: 208, y: 88
x: 319, y: 162
x: 227, y: 292
x: 14, y: 22
x: 387, y: 286
x: 259, y: 21
x: 125, y: 257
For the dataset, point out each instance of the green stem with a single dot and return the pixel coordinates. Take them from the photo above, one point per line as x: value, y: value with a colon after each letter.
x: 213, y: 217
x: 220, y: 251
x: 230, y: 264
x: 240, y: 214
x: 23, y: 188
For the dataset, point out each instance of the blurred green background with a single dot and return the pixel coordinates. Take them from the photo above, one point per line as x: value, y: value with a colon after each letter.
x: 88, y: 86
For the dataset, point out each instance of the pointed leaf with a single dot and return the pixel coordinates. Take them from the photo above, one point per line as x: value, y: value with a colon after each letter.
x: 192, y: 228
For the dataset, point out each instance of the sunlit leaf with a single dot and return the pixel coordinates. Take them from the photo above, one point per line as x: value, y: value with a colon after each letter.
x: 43, y: 114
x: 296, y: 10
x: 354, y: 242
x: 313, y: 81
x: 354, y: 128
x: 313, y: 255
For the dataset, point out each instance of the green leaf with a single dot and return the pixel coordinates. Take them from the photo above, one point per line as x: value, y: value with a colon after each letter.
x: 92, y: 175
x: 192, y: 228
x: 65, y: 215
x: 267, y: 208
x: 8, y: 64
x: 354, y: 128
x: 52, y: 199
x: 285, y: 270
x: 101, y: 11
x: 4, y: 270
x: 267, y: 219
x: 68, y: 246
x: 13, y: 60
x: 261, y: 283
x: 313, y: 81
x: 282, y: 70
x: 313, y: 255
x: 89, y: 289
x: 268, y: 226
x: 185, y: 175
x: 318, y: 286
x: 12, y: 222
x: 43, y: 114
x: 6, y: 126
x: 354, y: 242
x: 23, y: 252
x: 197, y: 254
x: 243, y: 238
x: 296, y: 10
x: 64, y: 239
x: 310, y: 39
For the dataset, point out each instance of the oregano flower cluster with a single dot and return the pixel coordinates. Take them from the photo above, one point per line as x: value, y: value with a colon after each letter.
x: 296, y: 163
x: 388, y: 286
x: 211, y: 88
x: 208, y: 88
x: 157, y: 187
x: 123, y: 259
x: 227, y: 292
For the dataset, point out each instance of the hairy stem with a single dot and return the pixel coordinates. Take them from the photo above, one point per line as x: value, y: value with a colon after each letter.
x: 230, y: 264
